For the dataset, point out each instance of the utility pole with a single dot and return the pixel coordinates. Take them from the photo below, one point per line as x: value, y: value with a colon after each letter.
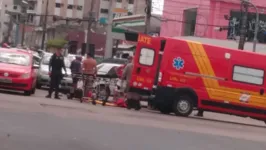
x: 109, y: 38
x: 148, y: 16
x: 44, y: 24
x: 243, y: 29
x: 256, y: 24
x: 24, y: 20
x: 90, y: 21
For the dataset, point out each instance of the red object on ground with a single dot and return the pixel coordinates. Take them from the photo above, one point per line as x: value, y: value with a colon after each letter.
x: 120, y: 102
x: 89, y: 94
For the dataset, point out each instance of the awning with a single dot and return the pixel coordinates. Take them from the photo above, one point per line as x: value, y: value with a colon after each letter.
x: 131, y: 24
x: 124, y: 46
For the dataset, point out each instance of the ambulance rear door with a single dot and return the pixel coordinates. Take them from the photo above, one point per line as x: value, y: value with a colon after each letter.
x: 146, y: 62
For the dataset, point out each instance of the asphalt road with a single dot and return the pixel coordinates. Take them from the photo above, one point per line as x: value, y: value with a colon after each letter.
x: 36, y: 123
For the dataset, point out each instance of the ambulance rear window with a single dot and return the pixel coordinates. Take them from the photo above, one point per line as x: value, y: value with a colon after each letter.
x: 146, y: 56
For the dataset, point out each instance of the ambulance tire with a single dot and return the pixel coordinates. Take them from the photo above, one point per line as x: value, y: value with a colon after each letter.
x: 265, y: 121
x: 183, y: 106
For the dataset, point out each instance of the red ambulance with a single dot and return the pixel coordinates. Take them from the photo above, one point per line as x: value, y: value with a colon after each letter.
x: 185, y: 75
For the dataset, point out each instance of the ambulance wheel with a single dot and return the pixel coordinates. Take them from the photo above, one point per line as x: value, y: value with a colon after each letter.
x: 183, y: 106
x: 265, y: 122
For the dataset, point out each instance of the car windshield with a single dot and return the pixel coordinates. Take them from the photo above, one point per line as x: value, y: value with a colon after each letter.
x: 46, y: 60
x: 14, y: 58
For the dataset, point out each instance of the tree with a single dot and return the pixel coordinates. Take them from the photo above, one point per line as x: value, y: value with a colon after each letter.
x: 56, y: 43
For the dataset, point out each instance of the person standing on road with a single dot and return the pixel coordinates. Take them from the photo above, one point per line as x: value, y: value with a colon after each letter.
x: 89, y: 67
x: 75, y: 69
x: 133, y: 98
x: 56, y: 65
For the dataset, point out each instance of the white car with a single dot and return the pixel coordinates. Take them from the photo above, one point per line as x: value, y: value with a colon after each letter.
x: 106, y: 70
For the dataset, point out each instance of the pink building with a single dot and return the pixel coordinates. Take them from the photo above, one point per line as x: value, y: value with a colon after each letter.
x: 200, y: 17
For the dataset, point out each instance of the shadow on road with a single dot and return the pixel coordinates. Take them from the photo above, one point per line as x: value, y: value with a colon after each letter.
x: 209, y: 119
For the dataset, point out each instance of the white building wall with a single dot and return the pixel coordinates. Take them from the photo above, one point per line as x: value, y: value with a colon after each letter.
x: 57, y: 10
x: 80, y: 12
x: 70, y: 11
x: 4, y: 18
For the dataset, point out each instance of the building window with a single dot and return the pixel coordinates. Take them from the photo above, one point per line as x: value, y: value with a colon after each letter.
x: 146, y: 56
x: 104, y: 11
x: 130, y: 1
x: 248, y: 75
x: 119, y: 1
x: 15, y: 7
x: 58, y: 5
x: 30, y: 18
x: 79, y: 7
x: 70, y: 6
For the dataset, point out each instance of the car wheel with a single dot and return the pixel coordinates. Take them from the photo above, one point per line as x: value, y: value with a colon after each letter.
x: 33, y: 90
x: 27, y: 93
x: 183, y: 106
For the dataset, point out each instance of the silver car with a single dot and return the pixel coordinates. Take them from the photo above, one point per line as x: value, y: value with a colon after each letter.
x: 43, y: 74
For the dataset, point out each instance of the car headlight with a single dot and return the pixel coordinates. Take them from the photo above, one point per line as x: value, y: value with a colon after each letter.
x: 25, y: 76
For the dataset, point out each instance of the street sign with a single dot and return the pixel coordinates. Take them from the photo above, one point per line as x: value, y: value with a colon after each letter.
x: 120, y: 10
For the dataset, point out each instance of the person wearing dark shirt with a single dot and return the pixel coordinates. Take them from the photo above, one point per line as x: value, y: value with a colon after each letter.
x: 56, y: 65
x: 76, y: 65
x: 75, y: 69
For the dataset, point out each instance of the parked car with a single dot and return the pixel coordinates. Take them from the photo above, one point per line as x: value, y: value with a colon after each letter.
x: 18, y: 70
x: 43, y: 74
x: 113, y: 61
x: 105, y: 71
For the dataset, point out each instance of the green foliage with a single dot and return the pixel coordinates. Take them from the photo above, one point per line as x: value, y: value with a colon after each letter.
x: 56, y: 43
